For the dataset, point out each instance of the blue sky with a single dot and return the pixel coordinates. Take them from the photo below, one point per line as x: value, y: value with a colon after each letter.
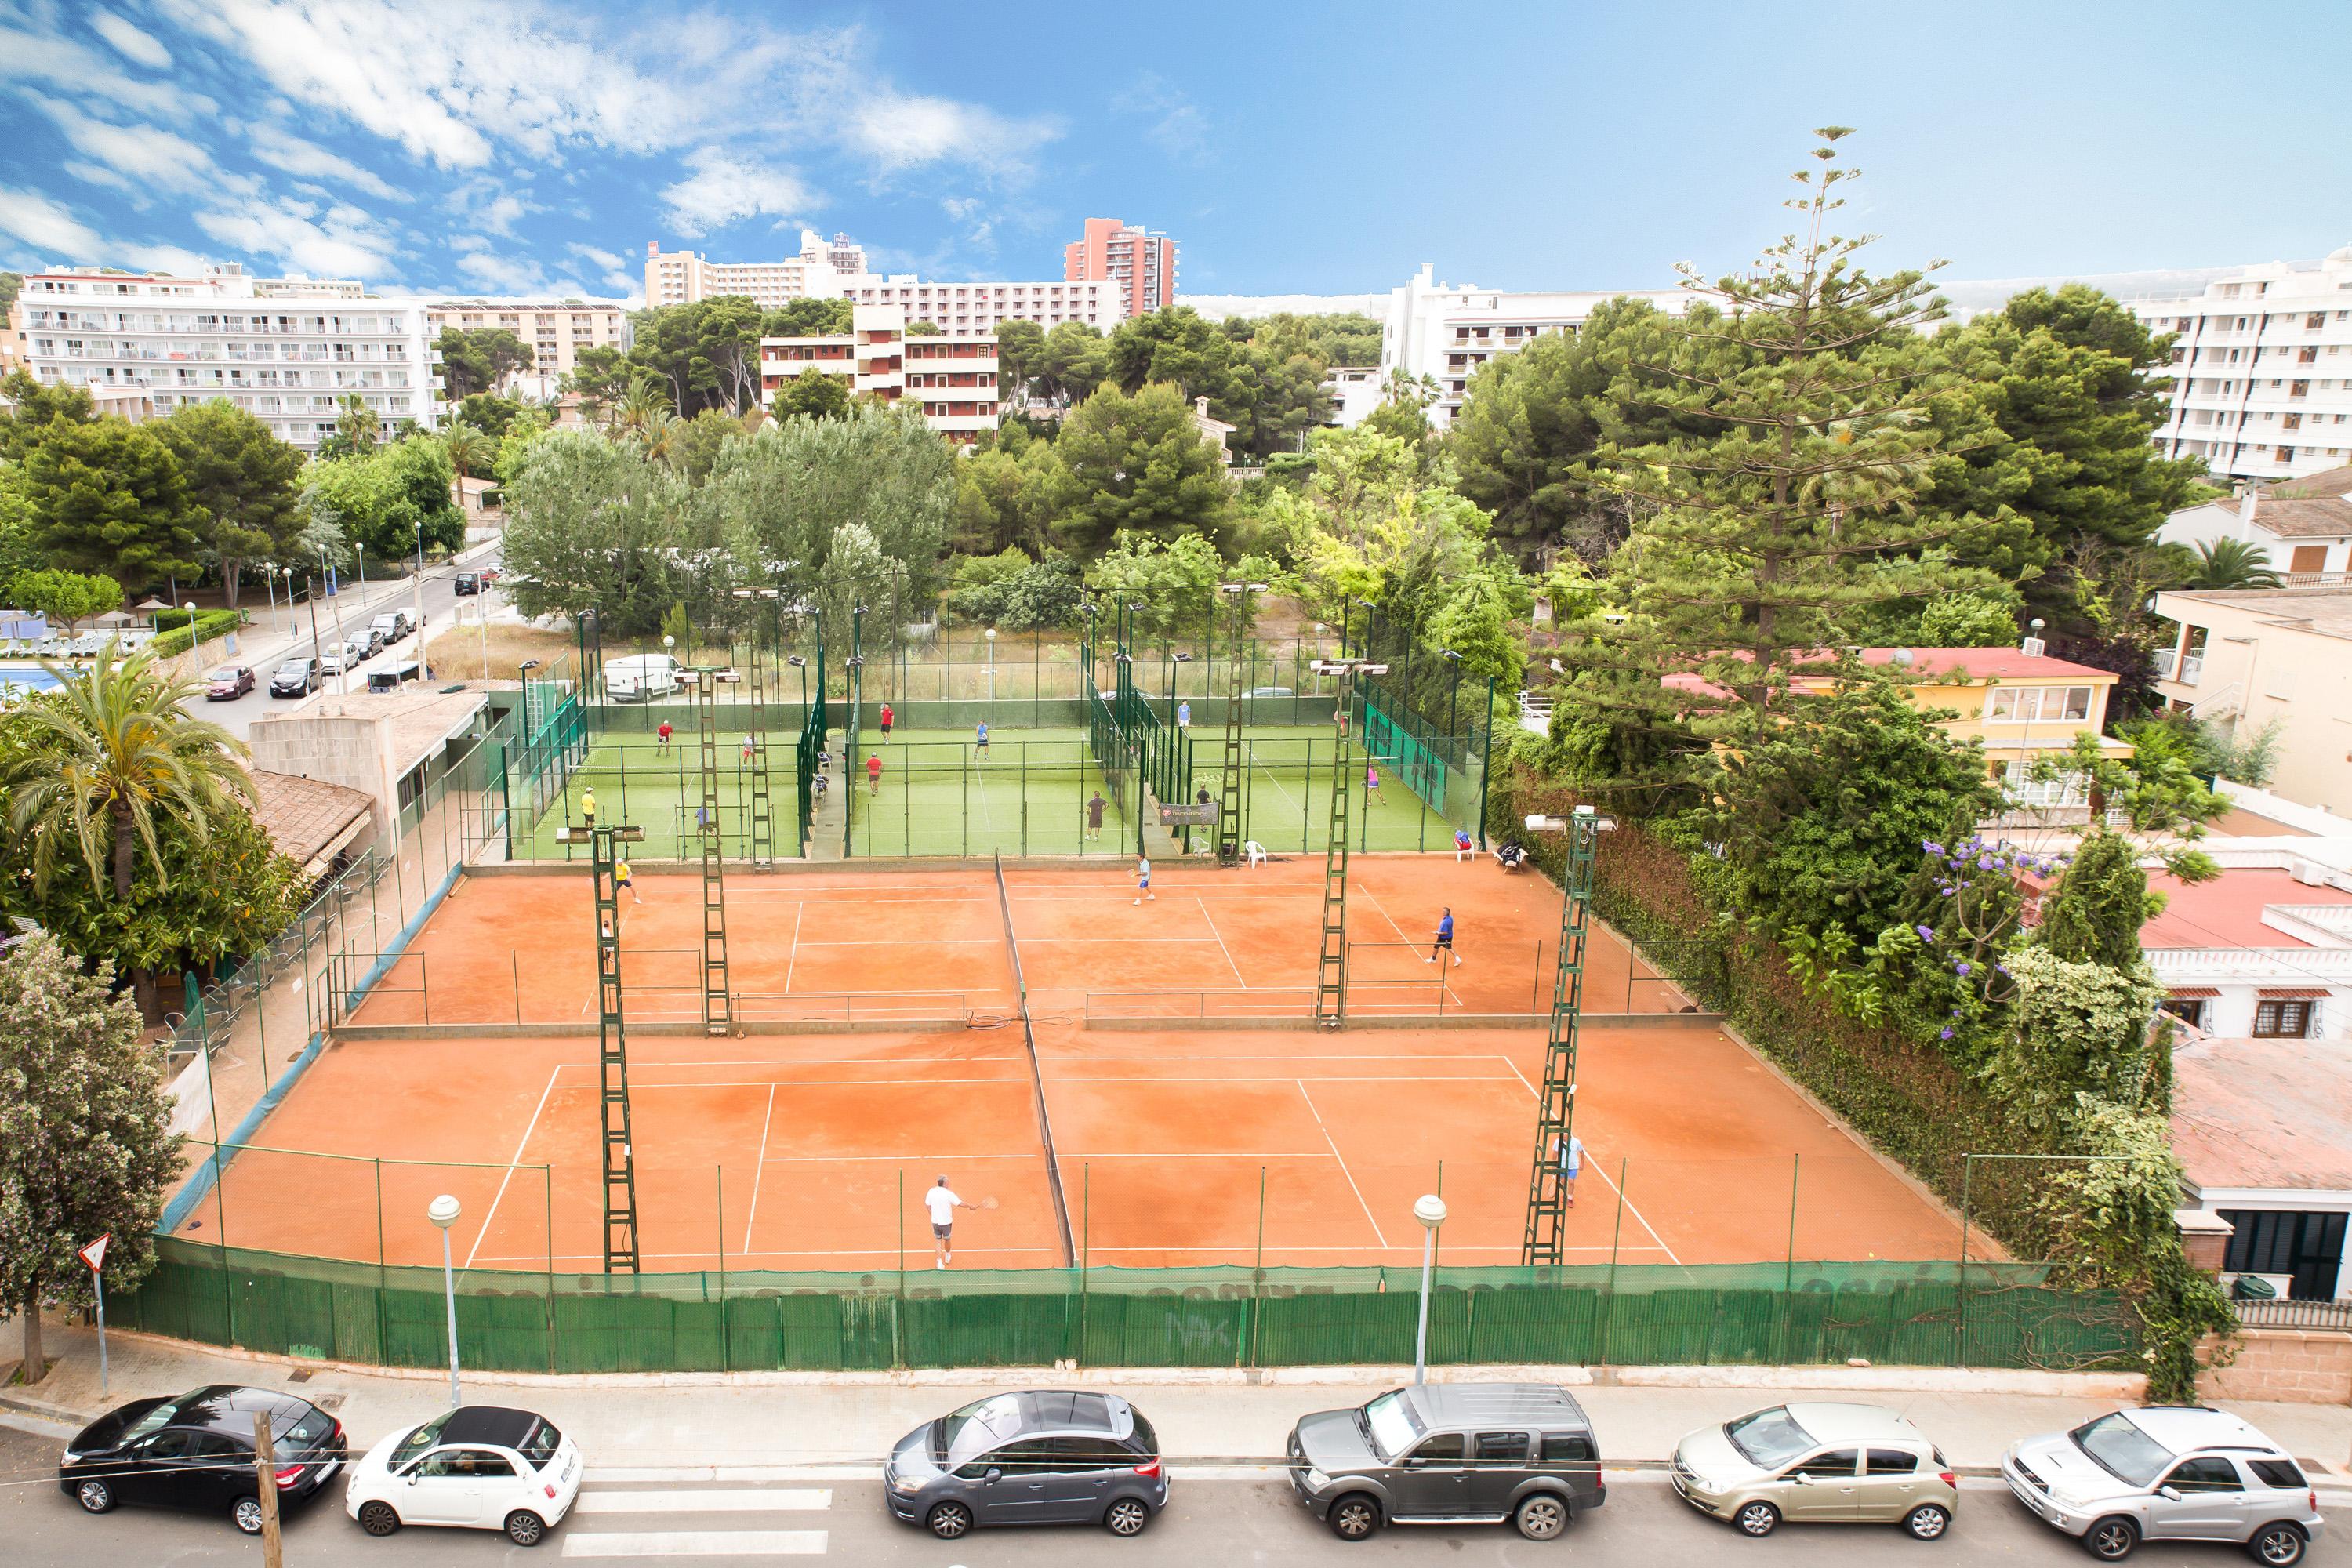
x: 522, y: 145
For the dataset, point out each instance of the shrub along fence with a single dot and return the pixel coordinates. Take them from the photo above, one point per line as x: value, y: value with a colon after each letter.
x: 1931, y: 1314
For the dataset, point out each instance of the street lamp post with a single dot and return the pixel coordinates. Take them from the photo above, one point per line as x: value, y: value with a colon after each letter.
x: 270, y: 586
x: 286, y: 575
x: 191, y: 655
x: 1430, y: 1210
x: 424, y: 661
x: 444, y: 1212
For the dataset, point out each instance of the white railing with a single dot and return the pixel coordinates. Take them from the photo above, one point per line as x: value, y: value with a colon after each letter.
x: 2220, y: 704
x: 2284, y: 966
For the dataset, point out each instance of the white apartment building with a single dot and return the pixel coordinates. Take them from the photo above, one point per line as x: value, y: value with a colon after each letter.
x: 977, y: 309
x: 1445, y: 332
x: 556, y: 330
x: 285, y: 349
x: 818, y: 272
x: 2262, y: 370
x: 952, y: 378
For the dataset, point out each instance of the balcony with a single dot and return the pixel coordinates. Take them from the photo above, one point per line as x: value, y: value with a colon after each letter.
x: 2251, y: 965
x: 2192, y: 670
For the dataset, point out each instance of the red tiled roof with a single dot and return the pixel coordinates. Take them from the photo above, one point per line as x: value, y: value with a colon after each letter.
x: 1970, y: 663
x: 2228, y: 911
x: 2263, y: 1113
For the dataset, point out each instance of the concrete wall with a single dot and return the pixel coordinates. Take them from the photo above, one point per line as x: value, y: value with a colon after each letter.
x: 2301, y: 1366
x: 352, y: 751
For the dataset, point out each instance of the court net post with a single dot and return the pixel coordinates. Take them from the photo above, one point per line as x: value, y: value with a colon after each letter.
x: 611, y: 1047
x: 1555, y: 1097
x: 1036, y: 1078
x: 717, y: 1011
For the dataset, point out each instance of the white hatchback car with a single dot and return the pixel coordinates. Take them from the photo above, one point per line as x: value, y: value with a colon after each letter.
x: 479, y: 1465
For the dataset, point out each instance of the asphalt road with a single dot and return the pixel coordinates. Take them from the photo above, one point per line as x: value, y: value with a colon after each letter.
x: 633, y: 1515
x: 265, y: 643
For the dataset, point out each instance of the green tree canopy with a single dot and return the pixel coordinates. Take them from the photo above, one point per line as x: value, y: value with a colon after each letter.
x: 106, y: 496
x: 86, y: 1144
x: 69, y: 597
x: 813, y: 395
x: 706, y: 353
x: 28, y: 407
x: 592, y: 524
x: 809, y: 318
x: 475, y: 360
x: 1136, y: 463
x: 245, y: 479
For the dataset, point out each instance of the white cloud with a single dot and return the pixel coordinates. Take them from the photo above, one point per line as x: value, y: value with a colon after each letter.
x: 725, y: 189
x: 98, y: 174
x: 1176, y: 125
x: 164, y: 258
x: 139, y: 47
x: 147, y: 152
x: 606, y: 259
x: 899, y: 130
x: 47, y: 227
x: 39, y: 50
x: 342, y: 242
x: 284, y: 150
x: 498, y: 214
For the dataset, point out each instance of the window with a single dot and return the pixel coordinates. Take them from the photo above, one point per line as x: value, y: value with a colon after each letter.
x: 1836, y: 1465
x: 1566, y: 1446
x: 2190, y: 1010
x: 2206, y: 1473
x: 2280, y: 1473
x: 1502, y: 1447
x: 2281, y: 1020
x: 1438, y: 1448
x: 1889, y: 1462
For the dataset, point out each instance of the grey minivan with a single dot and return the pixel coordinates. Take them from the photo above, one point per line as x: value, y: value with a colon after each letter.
x: 1460, y: 1453
x: 1044, y: 1457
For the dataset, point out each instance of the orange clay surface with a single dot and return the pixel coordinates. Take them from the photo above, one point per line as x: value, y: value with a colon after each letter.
x: 810, y: 1151
x: 923, y: 943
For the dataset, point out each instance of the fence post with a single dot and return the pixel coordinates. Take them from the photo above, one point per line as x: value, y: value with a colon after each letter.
x: 1086, y: 1245
x: 726, y: 1328
x: 899, y: 1302
x: 1257, y: 1276
x: 1609, y: 1296
x: 514, y: 955
x: 1960, y: 1349
x: 380, y: 1356
x: 1789, y: 1275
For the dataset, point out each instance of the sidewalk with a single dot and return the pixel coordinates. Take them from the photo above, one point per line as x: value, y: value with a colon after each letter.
x: 851, y: 1419
x: 264, y: 643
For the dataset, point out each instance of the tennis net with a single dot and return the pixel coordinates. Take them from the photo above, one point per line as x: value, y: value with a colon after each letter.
x: 1036, y: 1078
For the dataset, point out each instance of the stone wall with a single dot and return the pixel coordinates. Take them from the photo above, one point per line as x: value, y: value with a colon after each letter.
x: 2302, y: 1366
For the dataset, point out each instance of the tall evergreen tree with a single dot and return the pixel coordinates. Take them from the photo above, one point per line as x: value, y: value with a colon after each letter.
x: 2095, y: 915
x: 1756, y: 550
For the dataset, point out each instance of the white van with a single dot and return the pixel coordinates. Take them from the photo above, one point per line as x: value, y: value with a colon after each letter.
x: 640, y: 678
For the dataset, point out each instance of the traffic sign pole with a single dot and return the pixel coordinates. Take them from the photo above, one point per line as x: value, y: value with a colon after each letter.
x: 95, y: 1256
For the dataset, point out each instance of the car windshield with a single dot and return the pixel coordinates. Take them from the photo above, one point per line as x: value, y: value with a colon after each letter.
x: 294, y: 666
x: 226, y: 672
x: 416, y: 1442
x: 974, y: 1429
x: 538, y: 1444
x: 2121, y: 1449
x: 155, y: 1420
x: 1769, y: 1439
x: 1389, y: 1426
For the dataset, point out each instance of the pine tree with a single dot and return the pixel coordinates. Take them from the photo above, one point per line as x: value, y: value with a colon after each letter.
x: 2095, y: 915
x: 1759, y: 545
x: 86, y: 1144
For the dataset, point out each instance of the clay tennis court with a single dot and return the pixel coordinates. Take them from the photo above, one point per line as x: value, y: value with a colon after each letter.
x: 1183, y: 1138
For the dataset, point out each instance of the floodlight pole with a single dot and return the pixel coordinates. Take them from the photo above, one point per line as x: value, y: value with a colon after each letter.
x: 1547, y: 1192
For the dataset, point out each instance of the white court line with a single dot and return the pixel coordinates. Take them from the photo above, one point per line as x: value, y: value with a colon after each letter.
x: 1601, y: 1170
x: 1221, y: 941
x: 541, y: 1258
x: 1019, y: 1079
x: 879, y: 1159
x: 793, y: 954
x: 745, y: 1500
x: 520, y: 1147
x: 766, y: 1122
x: 1383, y: 1240
x: 699, y: 1543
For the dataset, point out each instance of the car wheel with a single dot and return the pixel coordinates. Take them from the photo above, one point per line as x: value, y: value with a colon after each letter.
x: 247, y: 1514
x: 951, y: 1521
x: 1540, y: 1517
x: 524, y: 1528
x: 95, y: 1497
x: 1757, y: 1519
x: 1355, y: 1518
x: 2280, y: 1546
x: 2112, y: 1540
x: 1928, y: 1521
x: 1128, y: 1516
x: 378, y: 1518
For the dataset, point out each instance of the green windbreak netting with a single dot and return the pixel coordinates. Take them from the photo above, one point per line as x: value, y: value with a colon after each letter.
x: 1924, y: 1314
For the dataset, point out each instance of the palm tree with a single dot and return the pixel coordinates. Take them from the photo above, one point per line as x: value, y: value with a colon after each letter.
x: 471, y: 451
x: 356, y: 425
x: 642, y: 404
x: 124, y: 757
x: 2232, y: 563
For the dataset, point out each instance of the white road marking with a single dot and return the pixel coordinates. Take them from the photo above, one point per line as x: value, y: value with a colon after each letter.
x: 749, y: 1500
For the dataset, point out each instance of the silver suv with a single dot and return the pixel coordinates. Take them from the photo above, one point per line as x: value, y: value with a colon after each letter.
x: 1459, y: 1453
x: 2167, y: 1473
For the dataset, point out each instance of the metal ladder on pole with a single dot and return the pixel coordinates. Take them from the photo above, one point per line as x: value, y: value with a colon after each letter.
x: 717, y: 1011
x: 764, y: 821
x: 1556, y: 1100
x: 612, y: 1059
x: 1228, y: 801
x: 1331, y: 972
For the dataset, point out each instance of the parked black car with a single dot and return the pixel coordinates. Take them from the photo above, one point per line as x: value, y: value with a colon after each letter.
x: 195, y: 1452
x: 469, y: 583
x: 1463, y: 1453
x: 1048, y: 1457
x: 295, y: 677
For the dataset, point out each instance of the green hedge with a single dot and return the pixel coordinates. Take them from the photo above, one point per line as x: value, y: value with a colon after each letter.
x: 210, y: 623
